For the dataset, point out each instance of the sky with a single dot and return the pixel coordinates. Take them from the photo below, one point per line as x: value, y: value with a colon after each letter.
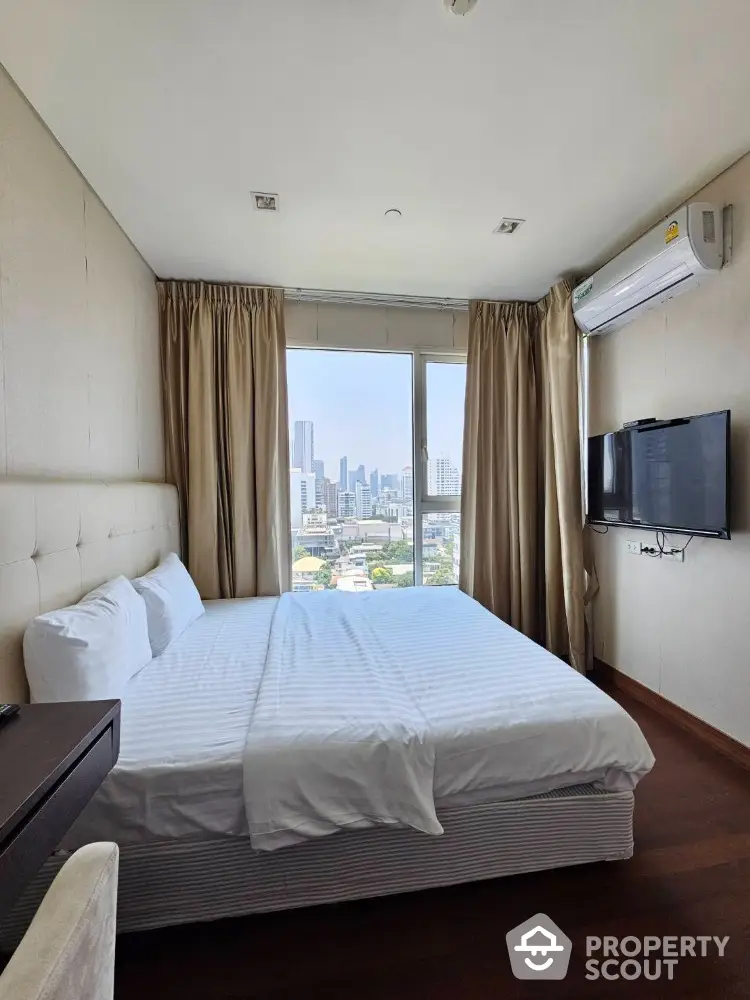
x: 360, y: 403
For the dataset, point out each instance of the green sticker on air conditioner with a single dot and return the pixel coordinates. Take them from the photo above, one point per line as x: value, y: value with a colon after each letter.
x: 583, y: 290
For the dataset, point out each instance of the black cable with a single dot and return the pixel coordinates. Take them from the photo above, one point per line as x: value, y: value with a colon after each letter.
x: 597, y: 531
x: 672, y: 548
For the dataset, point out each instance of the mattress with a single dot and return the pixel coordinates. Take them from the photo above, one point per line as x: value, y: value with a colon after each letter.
x: 499, y: 709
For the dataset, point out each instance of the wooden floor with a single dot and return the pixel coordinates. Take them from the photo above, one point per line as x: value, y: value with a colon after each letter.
x: 690, y: 876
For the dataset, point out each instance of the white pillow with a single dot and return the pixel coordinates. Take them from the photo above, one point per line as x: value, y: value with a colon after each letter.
x: 172, y: 601
x: 91, y: 650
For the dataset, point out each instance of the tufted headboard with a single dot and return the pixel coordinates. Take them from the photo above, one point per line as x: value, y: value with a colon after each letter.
x: 61, y: 538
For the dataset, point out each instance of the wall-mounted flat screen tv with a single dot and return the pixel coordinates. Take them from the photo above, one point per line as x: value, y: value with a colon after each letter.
x: 671, y: 475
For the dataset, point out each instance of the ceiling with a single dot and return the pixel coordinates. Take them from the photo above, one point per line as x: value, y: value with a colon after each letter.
x: 588, y: 119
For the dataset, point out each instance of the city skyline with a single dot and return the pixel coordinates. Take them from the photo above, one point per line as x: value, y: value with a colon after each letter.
x: 364, y: 412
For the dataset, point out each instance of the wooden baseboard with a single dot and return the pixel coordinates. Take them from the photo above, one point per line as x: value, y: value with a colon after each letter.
x: 607, y: 676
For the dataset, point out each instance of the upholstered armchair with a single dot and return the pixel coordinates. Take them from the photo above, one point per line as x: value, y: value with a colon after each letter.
x: 68, y: 952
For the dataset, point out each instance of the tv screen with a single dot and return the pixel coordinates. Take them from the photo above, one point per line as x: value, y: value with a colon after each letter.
x: 672, y: 475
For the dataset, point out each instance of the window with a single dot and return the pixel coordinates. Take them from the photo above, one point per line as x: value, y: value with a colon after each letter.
x: 439, y: 419
x: 370, y: 509
x: 351, y: 479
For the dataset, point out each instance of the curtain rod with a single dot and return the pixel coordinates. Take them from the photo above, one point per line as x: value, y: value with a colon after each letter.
x: 374, y: 299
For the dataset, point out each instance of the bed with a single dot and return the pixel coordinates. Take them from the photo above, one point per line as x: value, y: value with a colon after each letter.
x: 539, y: 775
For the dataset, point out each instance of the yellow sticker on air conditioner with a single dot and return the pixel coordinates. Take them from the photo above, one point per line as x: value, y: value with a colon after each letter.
x: 672, y: 232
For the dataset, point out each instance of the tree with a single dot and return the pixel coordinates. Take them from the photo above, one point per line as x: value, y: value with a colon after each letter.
x: 323, y: 576
x: 392, y: 552
x: 405, y: 580
x: 443, y: 577
x: 399, y: 552
x: 381, y: 574
x: 300, y: 552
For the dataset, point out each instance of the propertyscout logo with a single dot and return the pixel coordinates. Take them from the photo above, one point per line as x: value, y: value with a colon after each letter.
x: 539, y: 949
x: 649, y: 957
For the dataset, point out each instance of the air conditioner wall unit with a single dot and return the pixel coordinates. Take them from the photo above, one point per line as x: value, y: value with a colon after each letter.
x: 671, y: 258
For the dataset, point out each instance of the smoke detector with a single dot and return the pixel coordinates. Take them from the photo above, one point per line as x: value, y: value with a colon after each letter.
x: 460, y: 7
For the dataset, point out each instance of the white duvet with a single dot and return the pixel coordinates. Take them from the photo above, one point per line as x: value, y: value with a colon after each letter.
x: 372, y: 705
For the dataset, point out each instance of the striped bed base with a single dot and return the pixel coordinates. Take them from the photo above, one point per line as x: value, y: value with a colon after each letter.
x: 186, y: 881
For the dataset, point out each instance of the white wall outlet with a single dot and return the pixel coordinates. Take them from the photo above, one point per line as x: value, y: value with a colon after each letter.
x: 634, y: 548
x: 676, y: 555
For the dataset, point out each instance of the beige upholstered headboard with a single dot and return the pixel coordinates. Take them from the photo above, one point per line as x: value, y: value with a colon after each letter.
x: 61, y: 538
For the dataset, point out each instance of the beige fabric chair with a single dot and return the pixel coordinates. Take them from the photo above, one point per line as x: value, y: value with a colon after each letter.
x: 68, y: 952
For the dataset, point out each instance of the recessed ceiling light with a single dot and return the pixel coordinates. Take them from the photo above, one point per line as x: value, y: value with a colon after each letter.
x: 506, y: 227
x: 264, y: 202
x: 393, y: 214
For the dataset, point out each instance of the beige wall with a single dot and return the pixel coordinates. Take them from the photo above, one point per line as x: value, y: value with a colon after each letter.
x: 79, y: 356
x: 375, y: 327
x: 684, y: 629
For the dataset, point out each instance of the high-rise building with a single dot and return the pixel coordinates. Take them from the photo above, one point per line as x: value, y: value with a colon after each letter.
x: 302, y: 494
x: 303, y: 452
x: 358, y: 476
x: 443, y: 478
x: 374, y: 483
x: 330, y: 497
x: 457, y: 554
x: 389, y: 482
x: 363, y: 500
x: 318, y: 470
x: 407, y: 484
x: 347, y: 503
x: 343, y: 475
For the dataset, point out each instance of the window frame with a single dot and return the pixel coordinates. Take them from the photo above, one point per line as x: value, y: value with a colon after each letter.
x: 424, y: 503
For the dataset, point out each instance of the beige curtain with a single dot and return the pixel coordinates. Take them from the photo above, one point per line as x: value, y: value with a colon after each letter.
x: 521, y: 511
x: 225, y: 417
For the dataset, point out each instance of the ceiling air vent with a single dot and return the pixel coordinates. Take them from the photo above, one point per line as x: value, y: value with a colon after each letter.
x: 264, y: 202
x: 506, y: 227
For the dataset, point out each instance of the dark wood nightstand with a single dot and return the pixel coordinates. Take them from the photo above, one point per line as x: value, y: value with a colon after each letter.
x: 52, y: 760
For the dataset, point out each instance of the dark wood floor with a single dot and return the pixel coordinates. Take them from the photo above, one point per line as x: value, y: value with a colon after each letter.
x: 690, y: 876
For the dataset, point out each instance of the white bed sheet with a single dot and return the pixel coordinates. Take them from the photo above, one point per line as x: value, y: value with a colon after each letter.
x: 373, y: 706
x: 183, y: 730
x: 490, y: 697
